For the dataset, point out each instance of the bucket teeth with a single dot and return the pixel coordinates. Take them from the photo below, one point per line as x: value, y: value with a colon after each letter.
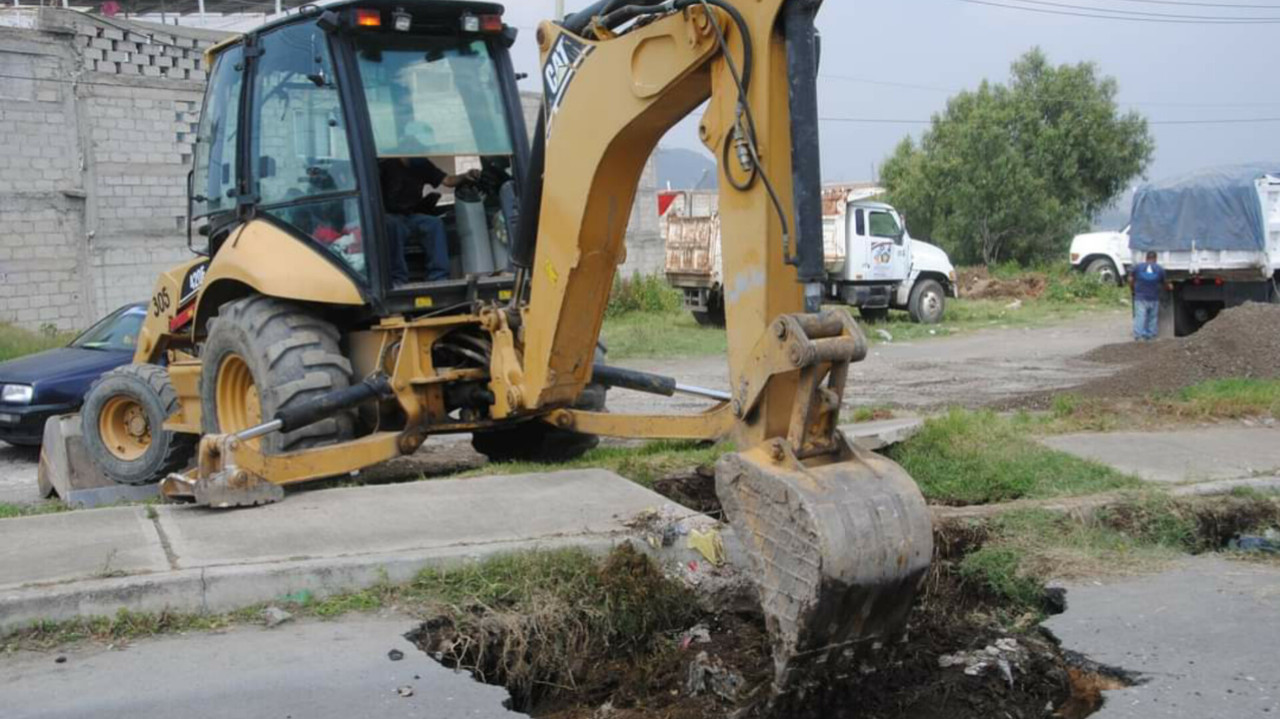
x: 838, y: 552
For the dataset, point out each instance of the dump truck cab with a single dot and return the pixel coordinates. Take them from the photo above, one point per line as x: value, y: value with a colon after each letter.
x: 323, y: 128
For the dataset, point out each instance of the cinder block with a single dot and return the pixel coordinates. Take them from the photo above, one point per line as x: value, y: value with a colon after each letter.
x: 128, y: 68
x: 106, y: 66
x: 102, y: 43
x: 117, y: 57
x: 111, y: 33
x: 161, y: 61
x: 197, y: 75
x: 129, y: 47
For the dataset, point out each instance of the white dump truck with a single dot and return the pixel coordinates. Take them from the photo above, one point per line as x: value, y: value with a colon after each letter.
x: 872, y: 262
x: 1217, y: 234
x: 1105, y: 255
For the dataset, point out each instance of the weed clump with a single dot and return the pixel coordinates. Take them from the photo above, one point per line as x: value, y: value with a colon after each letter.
x: 645, y: 294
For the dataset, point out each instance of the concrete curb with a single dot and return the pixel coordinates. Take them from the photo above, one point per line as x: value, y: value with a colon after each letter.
x: 226, y: 588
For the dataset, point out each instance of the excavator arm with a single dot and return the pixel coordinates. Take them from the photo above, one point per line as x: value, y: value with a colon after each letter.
x: 839, y: 540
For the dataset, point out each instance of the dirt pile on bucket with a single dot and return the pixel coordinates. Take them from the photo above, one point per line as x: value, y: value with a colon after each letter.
x: 1241, y: 342
x: 976, y: 283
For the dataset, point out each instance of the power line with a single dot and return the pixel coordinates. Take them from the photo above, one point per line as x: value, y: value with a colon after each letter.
x: 1184, y: 3
x: 1043, y: 11
x: 1140, y: 13
x: 956, y: 90
x: 1222, y: 121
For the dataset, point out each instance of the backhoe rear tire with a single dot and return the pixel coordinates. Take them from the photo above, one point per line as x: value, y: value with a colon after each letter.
x: 122, y: 422
x: 537, y: 441
x: 263, y: 355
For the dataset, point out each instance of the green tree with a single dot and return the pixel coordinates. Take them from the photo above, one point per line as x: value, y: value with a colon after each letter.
x: 1011, y: 171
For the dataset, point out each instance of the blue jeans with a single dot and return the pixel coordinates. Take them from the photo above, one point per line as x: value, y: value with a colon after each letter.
x: 1146, y: 319
x: 425, y: 229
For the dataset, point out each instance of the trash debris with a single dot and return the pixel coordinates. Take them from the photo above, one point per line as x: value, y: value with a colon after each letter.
x: 1015, y: 305
x: 405, y: 691
x: 60, y: 660
x: 699, y: 634
x: 706, y: 675
x: 395, y: 655
x: 275, y: 616
x: 709, y: 544
x: 884, y: 335
x: 606, y: 711
x: 1267, y: 543
x: 1006, y: 654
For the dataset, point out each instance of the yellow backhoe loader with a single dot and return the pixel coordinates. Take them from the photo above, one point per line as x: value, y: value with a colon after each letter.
x: 336, y: 316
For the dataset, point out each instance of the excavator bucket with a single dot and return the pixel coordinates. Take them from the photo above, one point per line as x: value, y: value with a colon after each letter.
x: 838, y: 550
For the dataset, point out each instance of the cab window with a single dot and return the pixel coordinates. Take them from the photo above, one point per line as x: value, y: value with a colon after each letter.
x: 215, y: 168
x: 300, y: 159
x: 884, y: 224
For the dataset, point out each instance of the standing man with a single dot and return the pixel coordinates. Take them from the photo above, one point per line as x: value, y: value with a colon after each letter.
x: 1146, y: 281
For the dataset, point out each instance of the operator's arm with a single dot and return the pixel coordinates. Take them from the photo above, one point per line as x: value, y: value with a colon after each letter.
x: 430, y: 174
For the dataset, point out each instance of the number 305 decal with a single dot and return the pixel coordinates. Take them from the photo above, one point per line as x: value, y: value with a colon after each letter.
x: 160, y: 303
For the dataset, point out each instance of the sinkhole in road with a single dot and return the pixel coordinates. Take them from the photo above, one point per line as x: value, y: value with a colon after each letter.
x: 961, y: 657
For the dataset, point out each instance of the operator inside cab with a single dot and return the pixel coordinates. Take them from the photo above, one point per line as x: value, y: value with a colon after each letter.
x: 444, y: 154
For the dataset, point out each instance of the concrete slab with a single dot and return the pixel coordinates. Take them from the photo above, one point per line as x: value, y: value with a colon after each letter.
x: 407, y: 517
x: 875, y: 436
x: 1202, y: 637
x: 1192, y: 455
x: 107, y: 496
x: 78, y: 545
x: 318, y: 670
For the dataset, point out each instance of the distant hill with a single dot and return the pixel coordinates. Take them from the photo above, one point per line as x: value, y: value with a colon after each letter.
x: 684, y: 169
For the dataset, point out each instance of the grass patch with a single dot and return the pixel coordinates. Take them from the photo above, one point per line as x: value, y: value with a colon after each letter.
x: 1224, y: 399
x: 1025, y: 548
x: 17, y: 342
x: 967, y: 457
x: 662, y: 335
x: 643, y: 465
x: 10, y: 511
x: 875, y: 413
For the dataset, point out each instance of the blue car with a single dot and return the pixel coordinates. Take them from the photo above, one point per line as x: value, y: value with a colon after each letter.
x: 39, y: 386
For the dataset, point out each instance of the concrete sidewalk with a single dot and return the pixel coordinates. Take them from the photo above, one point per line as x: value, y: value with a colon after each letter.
x: 95, y: 562
x: 1190, y: 455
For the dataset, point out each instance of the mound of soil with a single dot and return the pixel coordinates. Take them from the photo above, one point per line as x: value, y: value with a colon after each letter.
x: 976, y: 283
x: 1241, y: 342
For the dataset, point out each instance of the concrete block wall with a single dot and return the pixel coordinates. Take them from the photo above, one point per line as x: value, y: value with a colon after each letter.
x: 97, y: 127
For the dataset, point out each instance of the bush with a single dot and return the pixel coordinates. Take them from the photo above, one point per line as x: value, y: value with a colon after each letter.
x: 645, y: 294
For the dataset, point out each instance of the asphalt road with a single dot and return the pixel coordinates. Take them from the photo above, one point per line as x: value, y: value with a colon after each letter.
x: 311, y: 670
x: 971, y: 370
x: 1202, y: 639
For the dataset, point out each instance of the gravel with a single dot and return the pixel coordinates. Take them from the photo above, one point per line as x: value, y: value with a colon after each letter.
x: 1241, y: 342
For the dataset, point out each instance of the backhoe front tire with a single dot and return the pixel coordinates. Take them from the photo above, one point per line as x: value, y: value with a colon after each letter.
x: 122, y: 422
x: 263, y: 355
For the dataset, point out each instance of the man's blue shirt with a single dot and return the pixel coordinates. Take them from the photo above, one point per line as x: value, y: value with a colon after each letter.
x: 1148, y: 279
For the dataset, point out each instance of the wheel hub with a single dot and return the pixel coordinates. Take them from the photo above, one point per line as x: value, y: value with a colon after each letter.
x: 124, y: 428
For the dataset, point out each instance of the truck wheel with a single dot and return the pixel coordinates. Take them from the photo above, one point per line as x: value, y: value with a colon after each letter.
x: 538, y: 441
x: 714, y: 315
x: 873, y: 315
x: 1104, y: 269
x: 123, y: 426
x: 264, y: 355
x: 928, y: 302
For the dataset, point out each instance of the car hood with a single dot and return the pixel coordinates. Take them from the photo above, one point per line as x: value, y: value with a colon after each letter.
x: 927, y: 256
x: 61, y: 375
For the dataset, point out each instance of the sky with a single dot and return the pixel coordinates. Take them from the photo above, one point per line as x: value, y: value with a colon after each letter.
x: 905, y: 57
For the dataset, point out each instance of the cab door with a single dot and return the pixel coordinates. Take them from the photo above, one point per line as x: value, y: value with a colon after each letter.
x: 887, y: 246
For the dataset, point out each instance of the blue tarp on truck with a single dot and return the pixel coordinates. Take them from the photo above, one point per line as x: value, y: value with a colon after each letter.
x: 1212, y: 209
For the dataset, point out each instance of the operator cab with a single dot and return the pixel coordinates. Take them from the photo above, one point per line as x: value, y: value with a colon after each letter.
x: 386, y: 136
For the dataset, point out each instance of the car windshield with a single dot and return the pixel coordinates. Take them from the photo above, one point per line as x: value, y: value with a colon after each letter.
x: 432, y: 96
x: 118, y: 332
